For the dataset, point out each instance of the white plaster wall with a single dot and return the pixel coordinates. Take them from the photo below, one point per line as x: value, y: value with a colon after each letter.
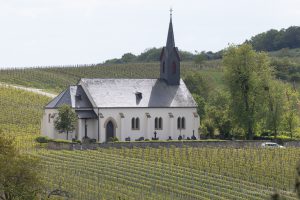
x: 123, y: 125
x: 146, y: 130
x: 47, y: 129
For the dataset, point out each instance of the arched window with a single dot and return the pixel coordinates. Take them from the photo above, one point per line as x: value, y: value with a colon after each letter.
x: 174, y: 67
x: 133, y: 123
x: 160, y: 123
x: 137, y: 123
x: 163, y: 69
x: 183, y: 123
x: 49, y: 118
x: 179, y: 123
x: 156, y: 123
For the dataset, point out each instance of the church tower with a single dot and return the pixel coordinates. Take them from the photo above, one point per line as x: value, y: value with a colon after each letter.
x: 169, y: 59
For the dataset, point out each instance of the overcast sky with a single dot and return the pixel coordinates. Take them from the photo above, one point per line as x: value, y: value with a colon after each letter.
x: 61, y: 32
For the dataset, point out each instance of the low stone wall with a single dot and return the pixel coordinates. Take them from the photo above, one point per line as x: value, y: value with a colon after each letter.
x: 213, y: 144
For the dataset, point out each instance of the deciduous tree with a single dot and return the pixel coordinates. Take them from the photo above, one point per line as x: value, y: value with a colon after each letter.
x: 247, y: 74
x: 66, y: 120
x: 19, y: 178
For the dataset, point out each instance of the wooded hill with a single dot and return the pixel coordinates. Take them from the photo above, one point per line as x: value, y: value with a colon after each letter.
x: 271, y: 40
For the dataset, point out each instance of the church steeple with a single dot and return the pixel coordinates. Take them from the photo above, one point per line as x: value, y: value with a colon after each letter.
x: 170, y: 39
x: 169, y: 59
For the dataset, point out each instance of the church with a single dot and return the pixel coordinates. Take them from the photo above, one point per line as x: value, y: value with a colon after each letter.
x: 130, y: 109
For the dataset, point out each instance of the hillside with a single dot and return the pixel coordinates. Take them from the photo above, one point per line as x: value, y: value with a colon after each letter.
x: 164, y: 173
x: 57, y: 79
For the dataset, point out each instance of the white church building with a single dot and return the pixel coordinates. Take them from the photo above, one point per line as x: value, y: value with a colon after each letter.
x: 130, y: 109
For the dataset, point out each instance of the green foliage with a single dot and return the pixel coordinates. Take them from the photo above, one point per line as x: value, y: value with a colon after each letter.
x: 149, y: 55
x: 275, y: 101
x: 273, y: 40
x: 247, y: 76
x: 42, y: 139
x: 60, y: 141
x: 219, y: 113
x: 199, y: 84
x: 66, y: 120
x: 19, y: 178
x: 200, y: 58
x: 291, y: 115
x: 128, y: 57
x: 201, y: 105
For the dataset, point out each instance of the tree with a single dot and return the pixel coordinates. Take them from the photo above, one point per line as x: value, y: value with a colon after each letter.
x: 201, y: 105
x: 291, y: 115
x: 19, y: 178
x: 200, y: 58
x: 66, y: 120
x: 275, y: 100
x: 199, y: 84
x: 247, y: 74
x: 218, y: 111
x: 128, y: 57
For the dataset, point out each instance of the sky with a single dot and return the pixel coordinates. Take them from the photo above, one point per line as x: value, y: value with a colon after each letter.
x: 67, y: 32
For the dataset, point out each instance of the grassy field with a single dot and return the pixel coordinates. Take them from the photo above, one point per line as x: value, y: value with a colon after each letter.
x: 164, y: 173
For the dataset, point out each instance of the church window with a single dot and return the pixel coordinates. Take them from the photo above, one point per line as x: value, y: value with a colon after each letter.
x: 137, y: 123
x: 156, y: 123
x: 133, y: 123
x: 174, y: 68
x: 180, y: 123
x: 160, y: 123
x: 163, y: 69
x: 49, y: 118
x: 183, y: 123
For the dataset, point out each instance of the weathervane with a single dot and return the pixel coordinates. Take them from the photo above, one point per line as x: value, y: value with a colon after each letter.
x: 171, y: 10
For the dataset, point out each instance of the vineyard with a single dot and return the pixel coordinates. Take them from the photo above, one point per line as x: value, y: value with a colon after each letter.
x: 171, y: 173
x: 20, y: 115
x: 150, y: 173
x: 56, y: 79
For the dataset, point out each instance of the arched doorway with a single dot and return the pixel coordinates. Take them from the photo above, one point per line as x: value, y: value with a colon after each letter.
x: 110, y: 130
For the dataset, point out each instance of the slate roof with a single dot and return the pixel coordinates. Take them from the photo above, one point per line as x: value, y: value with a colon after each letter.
x: 156, y: 93
x: 74, y: 96
x: 86, y: 114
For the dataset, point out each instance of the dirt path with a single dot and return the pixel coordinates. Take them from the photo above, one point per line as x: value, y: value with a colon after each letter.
x: 34, y: 90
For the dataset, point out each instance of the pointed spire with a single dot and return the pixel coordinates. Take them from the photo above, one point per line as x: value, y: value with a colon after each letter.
x: 170, y: 40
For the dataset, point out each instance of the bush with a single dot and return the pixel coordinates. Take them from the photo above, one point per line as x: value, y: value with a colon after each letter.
x: 140, y: 139
x: 179, y: 137
x: 42, y: 139
x: 59, y: 141
x: 112, y: 139
x: 76, y: 141
x: 127, y: 139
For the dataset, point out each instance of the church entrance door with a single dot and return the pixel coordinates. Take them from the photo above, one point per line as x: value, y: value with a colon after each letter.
x: 110, y: 130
